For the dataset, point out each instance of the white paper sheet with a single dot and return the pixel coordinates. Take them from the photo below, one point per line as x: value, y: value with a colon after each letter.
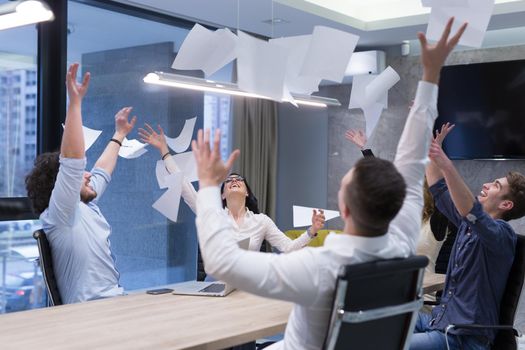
x: 297, y: 50
x: 376, y: 89
x: 477, y: 14
x: 181, y: 143
x: 444, y: 3
x: 132, y: 149
x: 261, y: 67
x: 187, y: 164
x: 302, y: 216
x: 372, y: 114
x: 168, y: 203
x: 328, y: 54
x: 161, y: 173
x: 206, y: 50
x: 90, y: 136
x: 357, y: 96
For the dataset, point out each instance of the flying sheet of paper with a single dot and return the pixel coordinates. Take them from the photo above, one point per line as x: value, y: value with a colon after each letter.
x: 328, y: 54
x: 168, y: 203
x: 90, y: 136
x: 477, y: 14
x: 206, y: 50
x: 372, y: 114
x: 261, y: 67
x: 161, y: 173
x: 357, y: 95
x: 297, y: 50
x: 302, y: 216
x: 188, y: 166
x: 132, y: 149
x: 376, y: 89
x: 181, y: 143
x: 444, y: 3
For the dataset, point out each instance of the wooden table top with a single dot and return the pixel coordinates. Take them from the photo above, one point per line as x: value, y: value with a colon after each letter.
x: 143, y: 321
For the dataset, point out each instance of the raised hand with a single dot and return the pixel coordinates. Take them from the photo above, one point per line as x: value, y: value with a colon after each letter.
x: 75, y: 90
x: 122, y: 125
x: 433, y: 56
x: 212, y: 171
x: 438, y: 157
x: 157, y: 140
x: 318, y: 220
x: 357, y: 137
x: 441, y: 134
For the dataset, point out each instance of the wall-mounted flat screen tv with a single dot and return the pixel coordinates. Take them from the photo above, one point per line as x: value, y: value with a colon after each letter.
x: 486, y: 101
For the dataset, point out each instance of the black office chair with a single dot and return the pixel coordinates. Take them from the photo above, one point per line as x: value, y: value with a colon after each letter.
x: 382, y: 295
x: 46, y: 264
x: 506, y: 336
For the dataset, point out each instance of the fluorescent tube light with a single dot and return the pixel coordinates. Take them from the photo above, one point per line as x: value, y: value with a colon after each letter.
x: 198, y: 84
x: 21, y: 13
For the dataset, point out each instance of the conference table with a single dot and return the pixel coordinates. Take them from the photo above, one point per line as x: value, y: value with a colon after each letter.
x: 144, y: 321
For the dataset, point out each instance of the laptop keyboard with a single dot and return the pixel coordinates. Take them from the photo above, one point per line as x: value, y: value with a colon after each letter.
x: 213, y: 288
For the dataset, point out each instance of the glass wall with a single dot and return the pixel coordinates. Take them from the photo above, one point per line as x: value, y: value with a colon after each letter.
x: 119, y: 50
x: 21, y: 284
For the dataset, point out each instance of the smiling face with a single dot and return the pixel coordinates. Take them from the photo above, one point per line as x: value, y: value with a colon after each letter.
x: 492, y: 197
x: 234, y: 186
x: 87, y: 193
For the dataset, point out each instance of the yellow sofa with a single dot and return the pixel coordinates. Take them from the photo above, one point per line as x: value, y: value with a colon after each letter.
x: 316, y: 242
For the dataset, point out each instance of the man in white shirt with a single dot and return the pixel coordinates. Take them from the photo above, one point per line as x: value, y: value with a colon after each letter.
x: 382, y: 217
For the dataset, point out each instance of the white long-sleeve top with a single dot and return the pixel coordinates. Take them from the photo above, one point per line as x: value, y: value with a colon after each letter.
x: 308, y: 276
x: 256, y: 226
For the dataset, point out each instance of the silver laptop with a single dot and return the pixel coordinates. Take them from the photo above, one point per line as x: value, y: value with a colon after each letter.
x: 211, y: 289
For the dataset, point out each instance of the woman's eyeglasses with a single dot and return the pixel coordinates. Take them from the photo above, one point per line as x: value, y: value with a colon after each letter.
x: 235, y: 177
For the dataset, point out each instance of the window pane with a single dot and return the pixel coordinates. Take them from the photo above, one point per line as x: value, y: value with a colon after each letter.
x: 21, y: 284
x: 119, y: 50
x: 18, y: 112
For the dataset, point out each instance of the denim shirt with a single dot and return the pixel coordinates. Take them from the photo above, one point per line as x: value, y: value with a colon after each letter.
x: 477, y: 270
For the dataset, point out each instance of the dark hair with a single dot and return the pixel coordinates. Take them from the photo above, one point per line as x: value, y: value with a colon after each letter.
x: 428, y: 203
x: 41, y: 180
x: 251, y: 200
x: 516, y: 194
x: 374, y: 195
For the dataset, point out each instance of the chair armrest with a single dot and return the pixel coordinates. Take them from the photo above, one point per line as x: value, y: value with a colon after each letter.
x: 481, y: 326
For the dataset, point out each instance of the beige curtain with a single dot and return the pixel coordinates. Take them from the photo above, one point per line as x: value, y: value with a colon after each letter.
x: 255, y: 134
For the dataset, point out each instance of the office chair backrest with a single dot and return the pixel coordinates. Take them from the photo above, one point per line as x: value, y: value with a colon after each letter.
x: 505, y: 339
x: 376, y: 304
x: 46, y: 264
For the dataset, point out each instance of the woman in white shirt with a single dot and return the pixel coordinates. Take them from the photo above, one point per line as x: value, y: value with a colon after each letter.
x: 239, y: 202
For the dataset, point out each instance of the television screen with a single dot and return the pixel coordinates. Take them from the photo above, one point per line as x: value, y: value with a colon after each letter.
x: 486, y: 101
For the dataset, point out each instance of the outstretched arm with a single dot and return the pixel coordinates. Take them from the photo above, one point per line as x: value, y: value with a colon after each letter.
x: 158, y: 140
x: 108, y: 160
x: 73, y: 138
x: 412, y: 151
x: 66, y: 192
x: 459, y: 192
x: 433, y: 172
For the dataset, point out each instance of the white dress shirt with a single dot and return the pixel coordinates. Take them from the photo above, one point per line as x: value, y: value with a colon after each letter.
x: 256, y: 226
x: 308, y: 276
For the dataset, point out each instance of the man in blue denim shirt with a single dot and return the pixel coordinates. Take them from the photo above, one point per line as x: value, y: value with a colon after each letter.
x: 481, y: 257
x: 66, y: 197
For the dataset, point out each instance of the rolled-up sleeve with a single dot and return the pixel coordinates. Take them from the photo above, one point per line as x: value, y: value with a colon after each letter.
x: 99, y: 181
x: 66, y: 193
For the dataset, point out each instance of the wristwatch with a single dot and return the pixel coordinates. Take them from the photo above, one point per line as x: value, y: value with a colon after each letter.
x: 310, y: 233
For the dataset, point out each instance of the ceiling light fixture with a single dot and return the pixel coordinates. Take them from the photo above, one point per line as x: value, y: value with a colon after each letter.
x: 198, y: 84
x: 21, y: 13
